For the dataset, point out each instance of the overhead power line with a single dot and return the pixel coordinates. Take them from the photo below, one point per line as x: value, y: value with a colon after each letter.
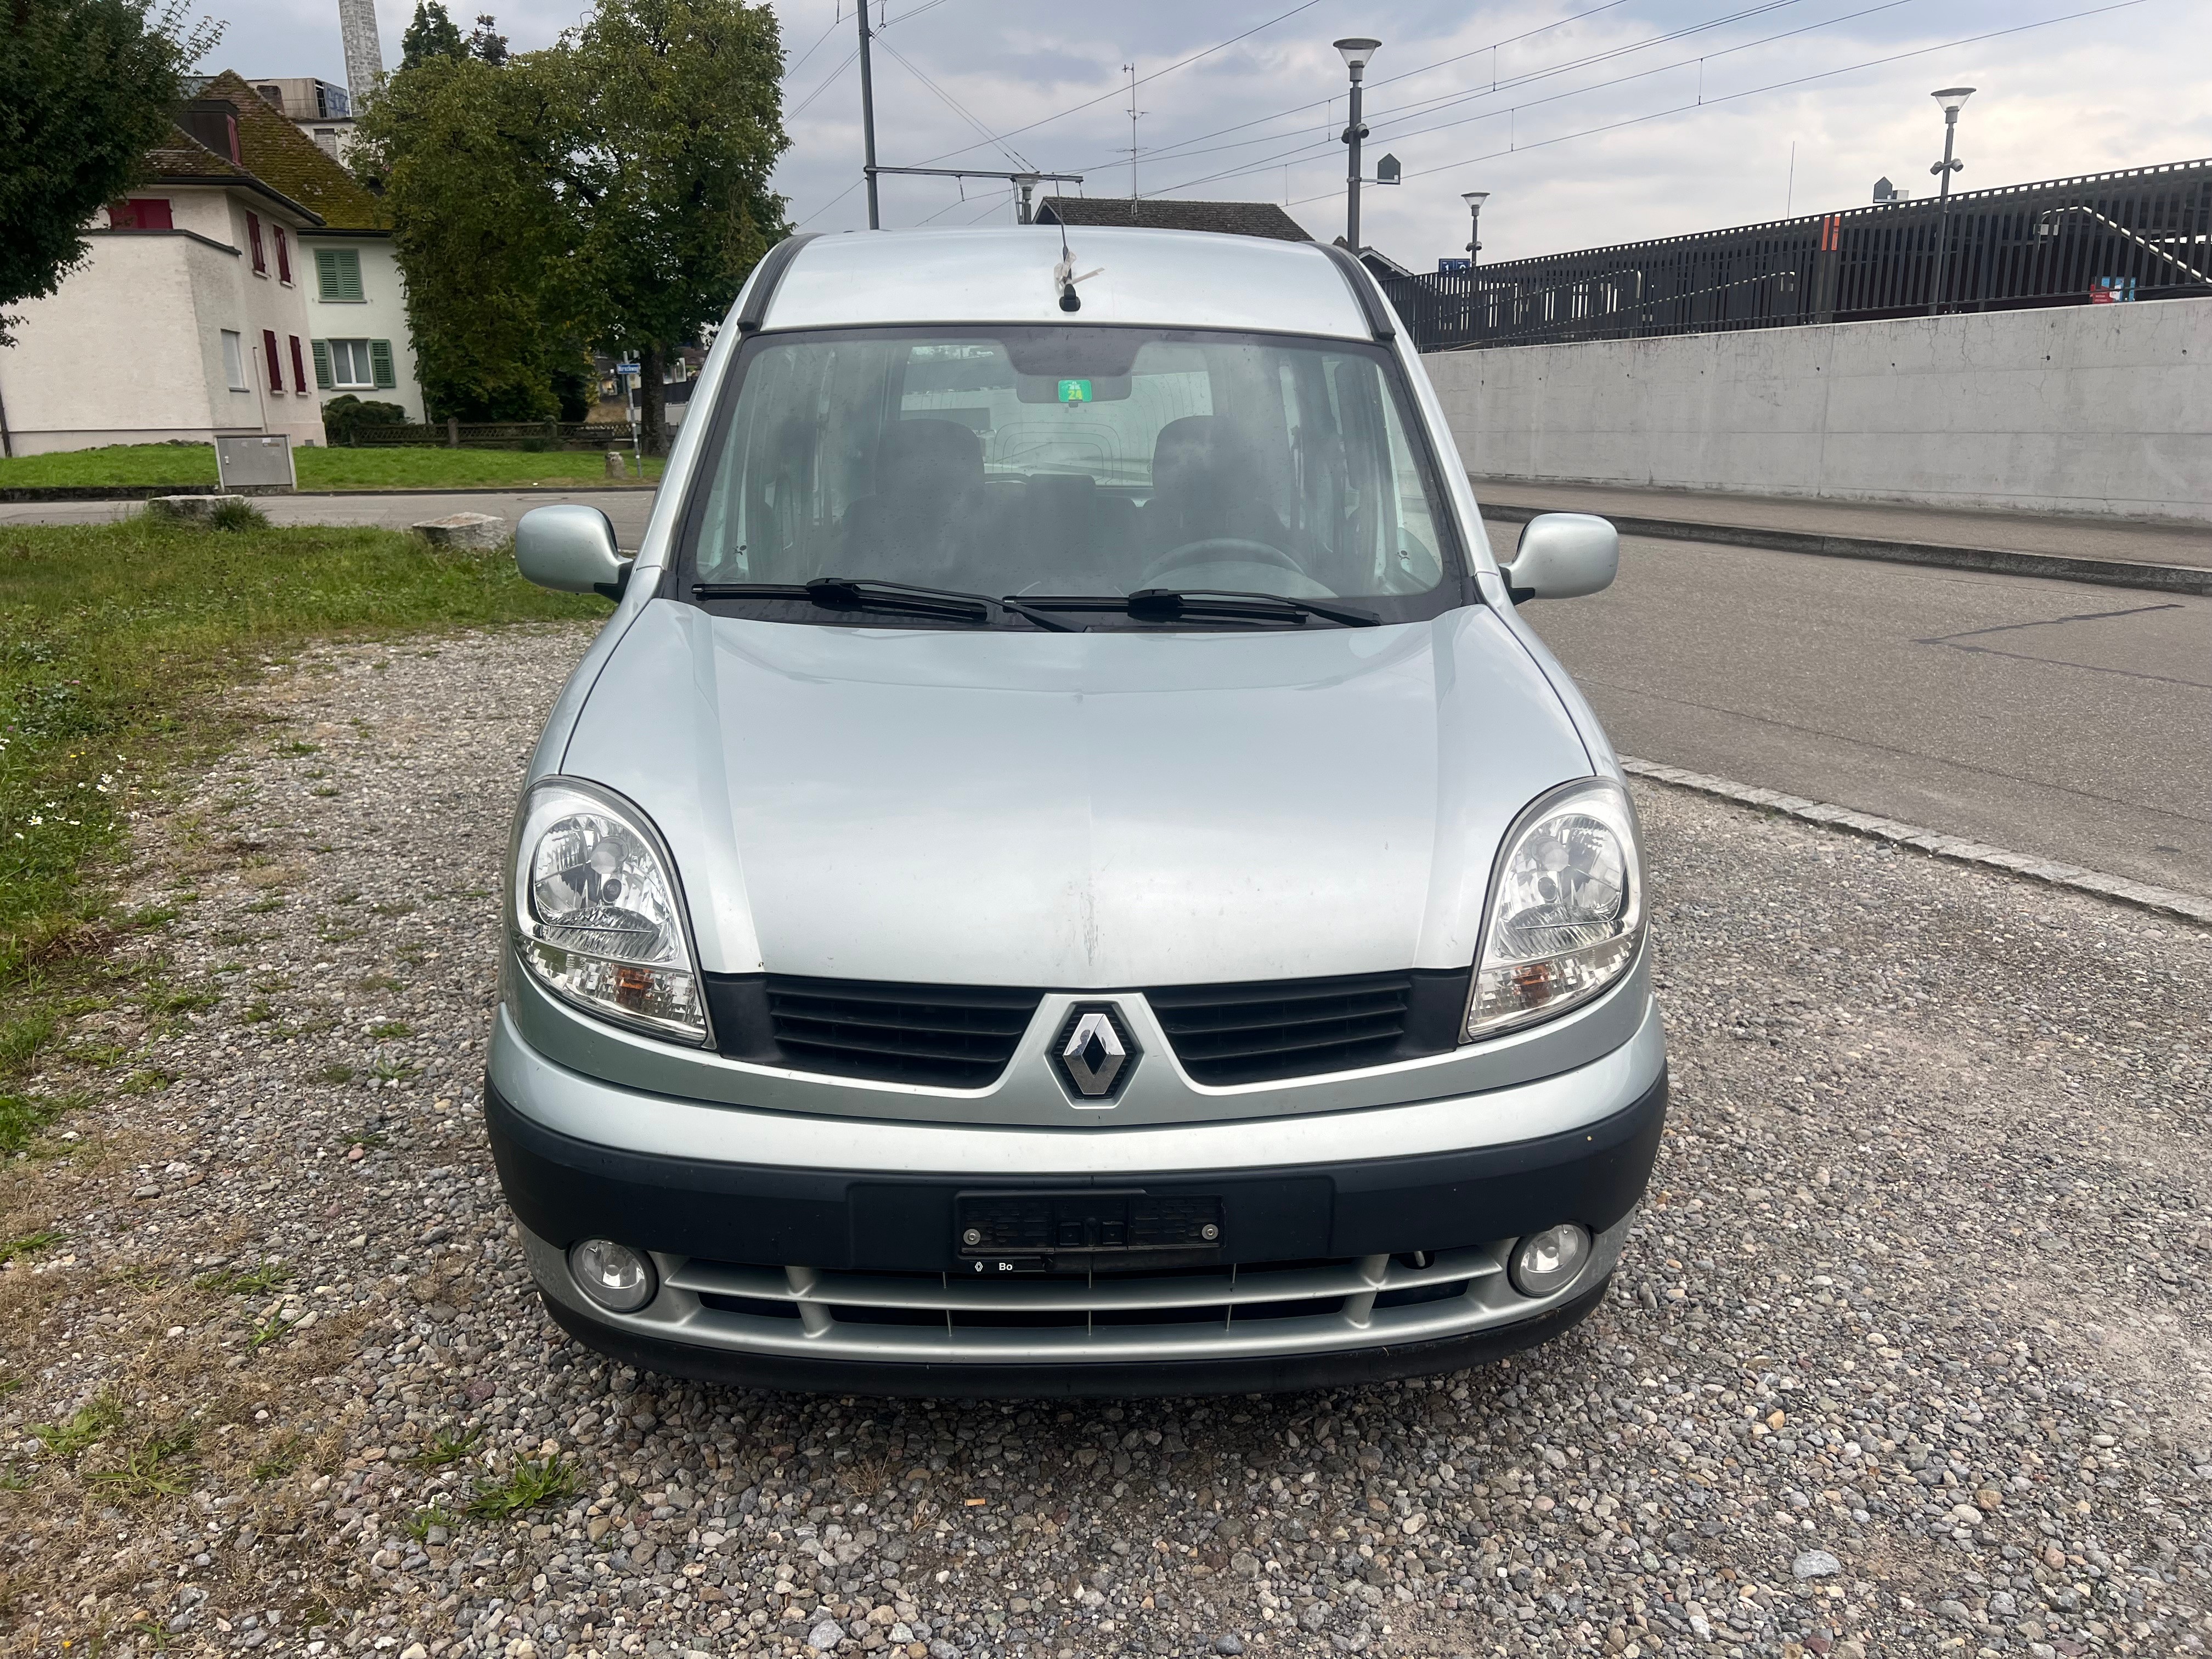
x: 1430, y: 106
x: 1754, y: 92
x: 1309, y: 152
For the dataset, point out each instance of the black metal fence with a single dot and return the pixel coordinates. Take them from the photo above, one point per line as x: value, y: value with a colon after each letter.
x: 498, y: 435
x: 2144, y: 234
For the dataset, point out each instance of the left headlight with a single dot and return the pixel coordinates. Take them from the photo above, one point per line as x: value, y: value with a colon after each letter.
x: 1566, y: 908
x: 597, y: 914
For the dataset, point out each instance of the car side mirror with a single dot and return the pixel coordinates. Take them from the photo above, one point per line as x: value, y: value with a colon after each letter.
x: 1562, y: 555
x: 571, y: 549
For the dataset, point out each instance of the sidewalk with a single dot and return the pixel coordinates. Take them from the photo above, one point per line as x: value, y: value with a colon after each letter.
x: 2118, y: 552
x: 629, y: 509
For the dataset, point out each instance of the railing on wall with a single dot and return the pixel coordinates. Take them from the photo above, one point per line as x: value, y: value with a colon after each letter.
x: 2143, y: 234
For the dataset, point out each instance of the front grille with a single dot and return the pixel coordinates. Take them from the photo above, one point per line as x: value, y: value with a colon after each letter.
x: 953, y: 1036
x: 1184, y: 1312
x: 1290, y: 1028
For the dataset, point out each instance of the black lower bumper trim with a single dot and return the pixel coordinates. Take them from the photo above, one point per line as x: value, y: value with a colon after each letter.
x: 1288, y: 1374
x: 564, y: 1189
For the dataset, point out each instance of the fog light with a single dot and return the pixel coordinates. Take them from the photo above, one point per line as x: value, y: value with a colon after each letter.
x: 617, y: 1278
x: 1547, y: 1261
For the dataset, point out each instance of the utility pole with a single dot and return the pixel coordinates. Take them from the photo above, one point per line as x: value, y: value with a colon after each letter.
x: 1356, y: 52
x: 1133, y: 113
x: 868, y: 120
x: 1950, y: 97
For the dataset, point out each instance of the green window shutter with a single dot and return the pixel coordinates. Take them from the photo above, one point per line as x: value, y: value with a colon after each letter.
x: 338, y: 273
x: 322, y: 364
x: 380, y: 355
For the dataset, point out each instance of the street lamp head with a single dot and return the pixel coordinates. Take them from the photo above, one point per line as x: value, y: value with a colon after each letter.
x: 1357, y: 50
x: 1951, y: 97
x: 1474, y: 199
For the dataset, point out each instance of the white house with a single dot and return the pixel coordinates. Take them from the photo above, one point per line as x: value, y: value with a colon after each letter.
x: 356, y: 303
x: 247, y: 282
x: 189, y: 319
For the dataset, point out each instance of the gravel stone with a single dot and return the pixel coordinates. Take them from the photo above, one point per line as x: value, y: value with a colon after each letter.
x: 1920, y: 1287
x: 1815, y: 1563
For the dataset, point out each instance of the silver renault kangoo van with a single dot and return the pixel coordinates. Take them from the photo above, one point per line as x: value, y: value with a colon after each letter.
x: 1065, y: 873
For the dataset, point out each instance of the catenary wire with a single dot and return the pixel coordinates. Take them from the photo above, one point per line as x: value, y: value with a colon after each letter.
x: 1311, y: 152
x: 1776, y: 86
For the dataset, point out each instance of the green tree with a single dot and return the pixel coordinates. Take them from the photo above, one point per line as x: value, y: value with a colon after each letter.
x: 470, y: 162
x: 680, y: 118
x: 486, y: 42
x: 86, y: 88
x: 432, y: 34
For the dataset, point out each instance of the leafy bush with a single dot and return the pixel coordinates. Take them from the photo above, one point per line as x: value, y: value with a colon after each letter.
x: 342, y: 417
x: 238, y: 514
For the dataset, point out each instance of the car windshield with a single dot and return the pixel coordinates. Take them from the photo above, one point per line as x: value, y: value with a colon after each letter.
x: 1092, y: 461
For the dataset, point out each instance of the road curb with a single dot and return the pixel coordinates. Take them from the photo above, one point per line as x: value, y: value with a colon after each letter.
x: 2104, y: 573
x: 1959, y: 849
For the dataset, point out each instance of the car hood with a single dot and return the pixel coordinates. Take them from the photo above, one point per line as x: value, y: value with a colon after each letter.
x: 1075, y: 811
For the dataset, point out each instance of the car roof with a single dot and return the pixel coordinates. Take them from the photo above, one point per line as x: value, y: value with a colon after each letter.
x: 1164, y: 278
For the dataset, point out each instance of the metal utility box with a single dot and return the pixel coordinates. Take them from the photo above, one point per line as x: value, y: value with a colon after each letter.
x: 255, y: 458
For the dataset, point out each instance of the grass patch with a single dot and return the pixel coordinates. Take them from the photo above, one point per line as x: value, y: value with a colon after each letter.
x: 116, y: 643
x: 29, y: 1245
x: 390, y: 1028
x: 86, y: 1426
x: 420, y: 1524
x: 407, y: 468
x: 160, y: 1466
x: 259, y: 1279
x: 447, y: 1446
x: 528, y: 1485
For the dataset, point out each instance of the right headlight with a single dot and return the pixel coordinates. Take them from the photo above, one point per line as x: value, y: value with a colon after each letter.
x: 1566, y: 908
x: 597, y: 915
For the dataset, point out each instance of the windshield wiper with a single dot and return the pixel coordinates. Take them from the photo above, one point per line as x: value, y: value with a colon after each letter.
x: 873, y: 593
x: 1175, y: 604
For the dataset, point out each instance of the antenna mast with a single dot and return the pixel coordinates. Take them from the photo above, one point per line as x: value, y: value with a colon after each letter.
x: 1133, y: 113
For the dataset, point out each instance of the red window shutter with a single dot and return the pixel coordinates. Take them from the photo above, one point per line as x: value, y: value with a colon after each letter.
x: 275, y: 367
x: 299, y: 364
x: 284, y: 265
x: 152, y: 212
x: 260, y: 259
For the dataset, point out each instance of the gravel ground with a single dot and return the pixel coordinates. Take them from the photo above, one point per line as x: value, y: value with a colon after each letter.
x: 1910, y: 1353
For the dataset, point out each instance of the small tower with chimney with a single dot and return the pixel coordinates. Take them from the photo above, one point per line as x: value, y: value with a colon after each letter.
x: 364, y: 52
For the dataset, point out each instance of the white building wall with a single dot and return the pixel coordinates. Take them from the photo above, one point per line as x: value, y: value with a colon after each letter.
x: 379, y: 314
x: 129, y: 349
x: 2101, y: 410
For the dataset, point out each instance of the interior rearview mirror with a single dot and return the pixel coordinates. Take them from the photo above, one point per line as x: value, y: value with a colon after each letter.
x: 1562, y: 555
x: 571, y: 549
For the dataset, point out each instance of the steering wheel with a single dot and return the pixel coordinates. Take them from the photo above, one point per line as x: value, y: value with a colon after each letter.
x: 1225, y: 550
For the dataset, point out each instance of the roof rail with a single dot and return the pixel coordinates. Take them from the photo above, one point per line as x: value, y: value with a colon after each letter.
x: 766, y: 276
x: 1370, y: 297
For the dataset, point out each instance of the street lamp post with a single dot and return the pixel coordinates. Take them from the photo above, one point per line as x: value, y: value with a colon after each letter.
x: 1357, y: 50
x: 1474, y: 199
x: 1951, y: 97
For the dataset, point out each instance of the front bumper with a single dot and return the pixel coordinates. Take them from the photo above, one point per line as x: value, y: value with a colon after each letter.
x: 1383, y: 1256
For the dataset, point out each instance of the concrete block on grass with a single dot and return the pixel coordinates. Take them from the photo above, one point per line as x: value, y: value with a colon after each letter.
x: 470, y: 530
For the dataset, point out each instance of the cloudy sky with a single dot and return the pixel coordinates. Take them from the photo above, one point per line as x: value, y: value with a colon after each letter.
x: 1610, y: 120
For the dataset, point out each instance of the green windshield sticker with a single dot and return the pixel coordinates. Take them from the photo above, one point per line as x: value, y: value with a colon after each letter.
x: 1075, y: 392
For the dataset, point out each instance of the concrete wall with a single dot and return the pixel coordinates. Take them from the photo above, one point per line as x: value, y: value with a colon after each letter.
x: 2085, y: 409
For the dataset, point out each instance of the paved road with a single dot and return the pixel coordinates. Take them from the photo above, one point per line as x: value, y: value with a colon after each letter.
x: 2048, y: 717
x: 2022, y: 532
x: 628, y: 508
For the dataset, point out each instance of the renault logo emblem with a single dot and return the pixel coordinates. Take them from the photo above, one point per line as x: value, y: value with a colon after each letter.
x: 1095, y: 1054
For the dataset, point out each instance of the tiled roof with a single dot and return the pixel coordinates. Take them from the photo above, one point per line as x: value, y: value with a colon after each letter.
x: 288, y: 162
x: 1162, y: 213
x: 185, y: 157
